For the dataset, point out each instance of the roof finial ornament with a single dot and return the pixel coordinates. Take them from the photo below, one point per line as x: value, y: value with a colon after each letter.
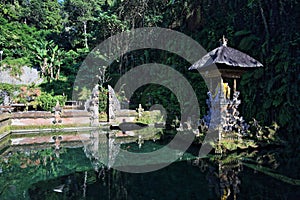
x: 224, y: 41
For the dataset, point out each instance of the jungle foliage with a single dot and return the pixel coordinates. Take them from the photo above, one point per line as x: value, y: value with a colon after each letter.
x: 57, y: 35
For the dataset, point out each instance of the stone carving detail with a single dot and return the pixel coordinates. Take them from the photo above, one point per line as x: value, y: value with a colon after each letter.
x: 113, y: 103
x: 227, y: 109
x: 212, y: 118
x: 92, y: 106
x: 6, y: 99
x: 231, y: 121
x: 5, y: 105
x: 57, y: 113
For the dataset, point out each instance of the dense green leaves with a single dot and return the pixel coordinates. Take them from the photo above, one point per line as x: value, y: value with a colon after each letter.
x: 16, y: 41
x: 47, y: 101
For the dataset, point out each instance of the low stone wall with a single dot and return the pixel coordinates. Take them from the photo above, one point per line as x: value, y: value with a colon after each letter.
x: 5, y: 120
x: 34, y: 120
x: 41, y: 118
x: 117, y: 115
x: 125, y: 116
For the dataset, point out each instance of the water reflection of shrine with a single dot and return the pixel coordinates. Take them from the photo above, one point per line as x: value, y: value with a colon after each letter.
x: 104, y: 145
x: 222, y: 176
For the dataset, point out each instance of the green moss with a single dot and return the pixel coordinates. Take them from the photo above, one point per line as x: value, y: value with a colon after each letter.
x: 232, y: 145
x: 4, y: 143
x: 232, y: 157
x: 150, y: 117
x: 102, y: 117
x: 4, y: 129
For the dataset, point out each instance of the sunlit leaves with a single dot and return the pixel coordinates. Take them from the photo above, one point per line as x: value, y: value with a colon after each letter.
x: 49, y: 57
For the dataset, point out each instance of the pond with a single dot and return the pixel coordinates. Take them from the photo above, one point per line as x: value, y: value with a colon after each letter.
x: 73, y: 171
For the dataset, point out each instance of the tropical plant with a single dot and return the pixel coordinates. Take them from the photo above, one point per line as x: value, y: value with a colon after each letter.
x: 49, y: 59
x: 47, y: 101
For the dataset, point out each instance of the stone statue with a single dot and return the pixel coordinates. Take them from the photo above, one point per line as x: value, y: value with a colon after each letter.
x: 140, y: 111
x: 57, y: 113
x: 113, y: 103
x: 226, y: 90
x: 94, y: 106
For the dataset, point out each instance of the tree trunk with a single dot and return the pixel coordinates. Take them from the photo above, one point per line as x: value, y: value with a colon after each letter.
x: 58, y: 72
x: 85, y: 35
x: 44, y: 67
x: 51, y: 70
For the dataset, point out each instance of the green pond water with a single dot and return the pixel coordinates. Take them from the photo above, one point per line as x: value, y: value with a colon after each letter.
x: 41, y: 172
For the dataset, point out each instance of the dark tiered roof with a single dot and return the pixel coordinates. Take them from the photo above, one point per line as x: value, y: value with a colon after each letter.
x: 232, y: 62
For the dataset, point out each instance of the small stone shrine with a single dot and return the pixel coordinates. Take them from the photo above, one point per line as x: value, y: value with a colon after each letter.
x: 223, y: 113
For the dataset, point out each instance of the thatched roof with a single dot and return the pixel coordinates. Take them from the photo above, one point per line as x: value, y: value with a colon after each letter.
x: 228, y: 56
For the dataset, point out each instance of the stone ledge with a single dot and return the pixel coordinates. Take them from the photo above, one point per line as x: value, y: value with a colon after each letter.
x: 4, y: 117
x: 47, y: 114
x: 32, y: 114
x: 126, y: 113
x: 3, y: 135
x: 51, y: 130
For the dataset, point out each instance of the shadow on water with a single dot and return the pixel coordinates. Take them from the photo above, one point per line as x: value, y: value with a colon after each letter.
x: 74, y: 171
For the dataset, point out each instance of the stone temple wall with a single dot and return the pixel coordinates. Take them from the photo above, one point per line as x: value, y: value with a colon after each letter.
x: 28, y: 76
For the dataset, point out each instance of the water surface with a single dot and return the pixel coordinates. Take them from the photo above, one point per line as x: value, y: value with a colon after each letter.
x: 73, y: 172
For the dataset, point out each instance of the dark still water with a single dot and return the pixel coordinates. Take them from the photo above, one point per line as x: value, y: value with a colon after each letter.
x: 30, y: 172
